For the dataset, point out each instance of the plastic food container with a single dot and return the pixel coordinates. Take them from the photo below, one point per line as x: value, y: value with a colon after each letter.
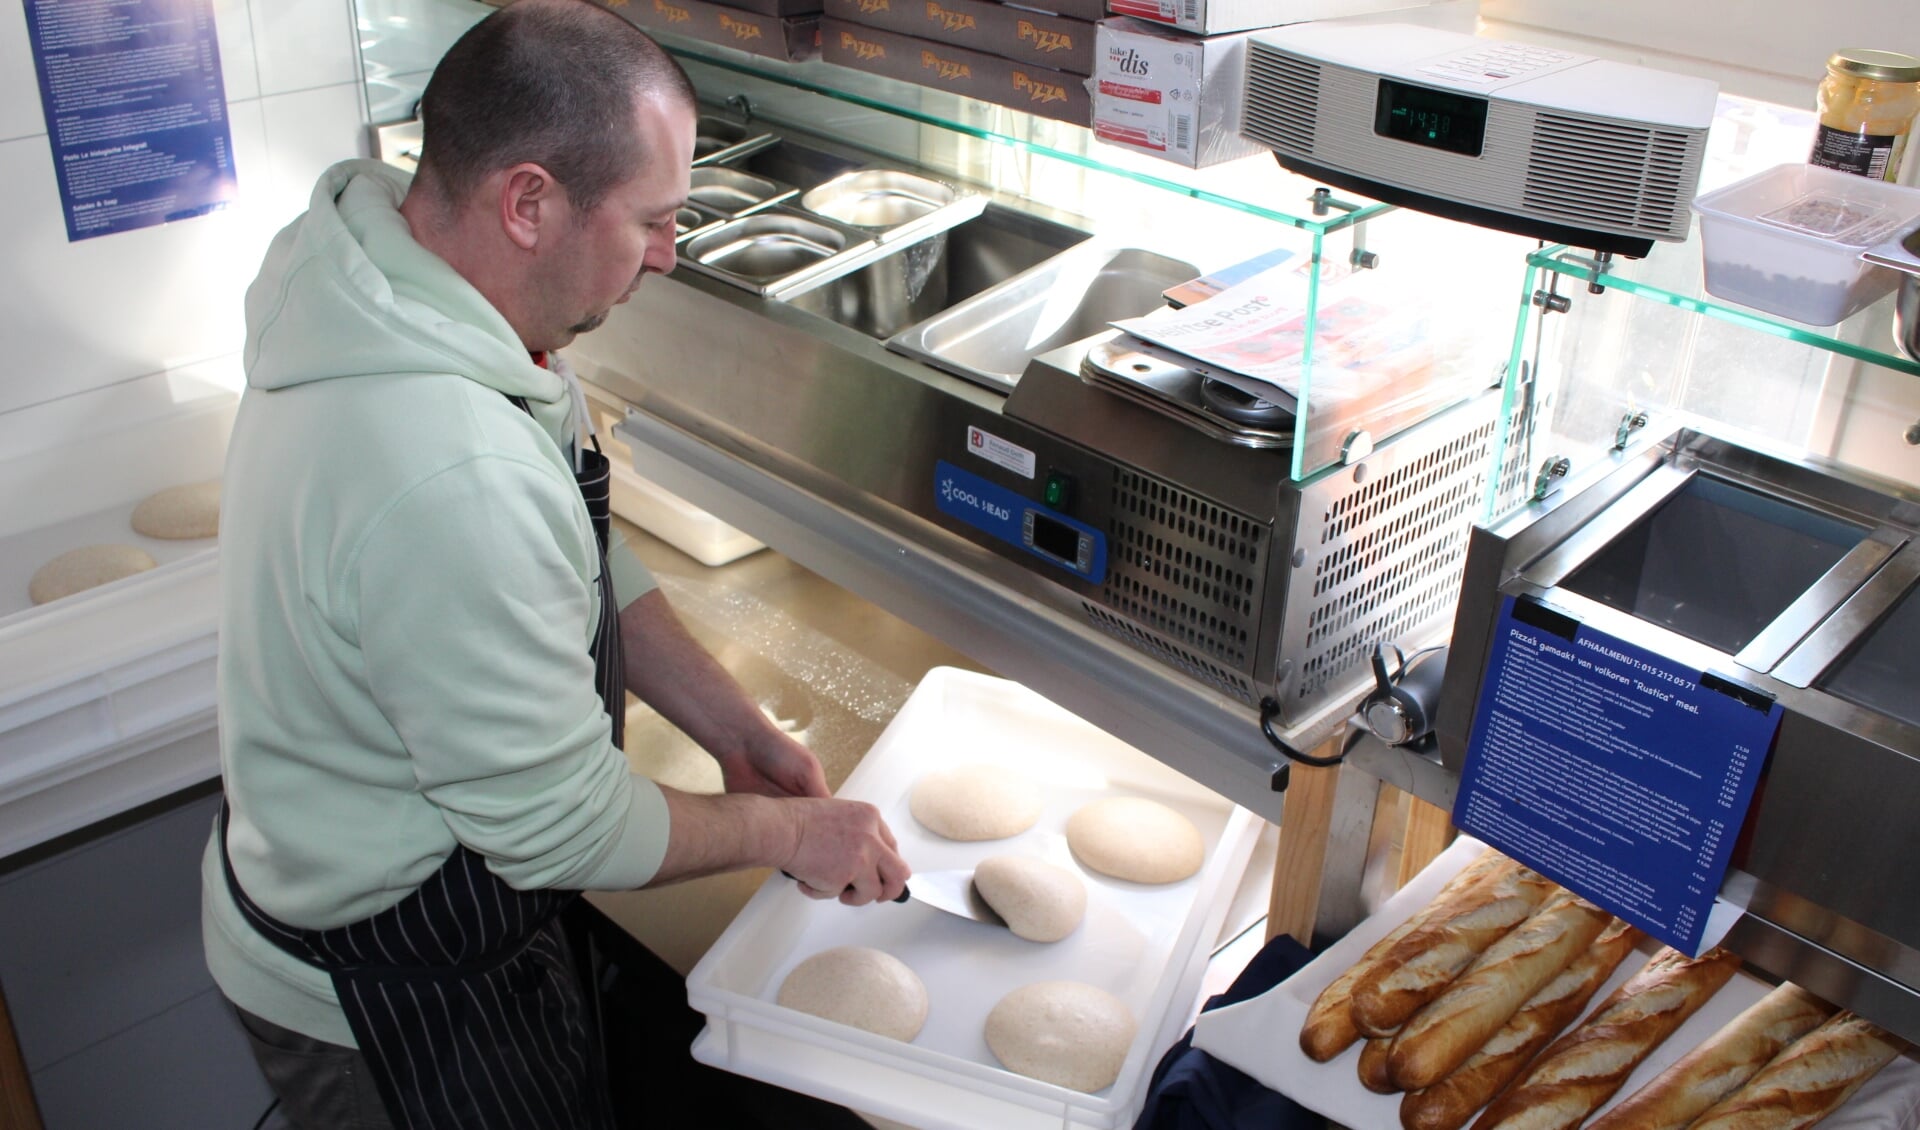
x: 1788, y: 241
x: 1148, y: 945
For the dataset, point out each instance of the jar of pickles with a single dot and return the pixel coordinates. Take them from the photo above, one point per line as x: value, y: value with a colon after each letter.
x: 1868, y: 103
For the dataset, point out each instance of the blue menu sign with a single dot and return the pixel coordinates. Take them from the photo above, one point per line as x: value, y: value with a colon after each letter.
x: 1611, y: 770
x: 135, y: 110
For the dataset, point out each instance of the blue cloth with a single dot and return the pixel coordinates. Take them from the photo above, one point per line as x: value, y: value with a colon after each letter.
x: 1191, y: 1090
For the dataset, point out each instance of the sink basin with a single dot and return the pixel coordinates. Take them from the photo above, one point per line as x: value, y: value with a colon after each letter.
x: 928, y: 276
x: 991, y: 337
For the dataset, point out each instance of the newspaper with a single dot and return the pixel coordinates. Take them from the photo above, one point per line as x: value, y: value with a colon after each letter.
x: 1364, y: 338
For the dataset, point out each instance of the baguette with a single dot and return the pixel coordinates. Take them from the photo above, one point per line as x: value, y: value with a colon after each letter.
x: 1420, y: 965
x: 1809, y: 1080
x: 1329, y: 1029
x: 1374, y: 1075
x: 1583, y: 1068
x: 1721, y: 1065
x: 1448, y: 1104
x: 1442, y: 1036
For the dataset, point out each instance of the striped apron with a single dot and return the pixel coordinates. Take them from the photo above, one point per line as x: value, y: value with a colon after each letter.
x: 463, y: 996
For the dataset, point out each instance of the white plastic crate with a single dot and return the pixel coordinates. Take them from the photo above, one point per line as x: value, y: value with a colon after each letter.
x: 1148, y: 945
x: 1789, y: 241
x: 660, y: 512
x: 91, y: 683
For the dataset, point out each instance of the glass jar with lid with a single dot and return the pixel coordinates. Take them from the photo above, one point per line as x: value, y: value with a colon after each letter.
x: 1868, y: 103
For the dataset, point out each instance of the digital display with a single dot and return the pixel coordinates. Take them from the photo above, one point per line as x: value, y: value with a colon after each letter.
x: 1056, y: 538
x: 1439, y: 119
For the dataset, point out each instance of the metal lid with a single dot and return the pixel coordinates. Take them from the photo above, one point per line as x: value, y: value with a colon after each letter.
x: 1881, y: 66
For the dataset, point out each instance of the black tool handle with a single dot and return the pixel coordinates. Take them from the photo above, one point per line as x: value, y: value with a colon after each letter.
x: 904, y: 893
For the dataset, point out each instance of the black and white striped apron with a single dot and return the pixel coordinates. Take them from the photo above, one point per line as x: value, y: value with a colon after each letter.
x: 463, y: 996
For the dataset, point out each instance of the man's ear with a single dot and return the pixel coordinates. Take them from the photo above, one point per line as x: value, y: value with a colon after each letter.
x: 531, y: 202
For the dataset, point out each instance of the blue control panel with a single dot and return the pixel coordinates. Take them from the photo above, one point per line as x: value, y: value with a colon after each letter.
x: 992, y: 509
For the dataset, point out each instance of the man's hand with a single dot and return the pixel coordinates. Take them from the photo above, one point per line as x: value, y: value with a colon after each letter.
x: 773, y: 764
x: 844, y: 850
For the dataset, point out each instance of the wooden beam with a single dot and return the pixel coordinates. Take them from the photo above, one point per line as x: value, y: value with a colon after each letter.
x: 1305, y: 821
x: 1429, y: 831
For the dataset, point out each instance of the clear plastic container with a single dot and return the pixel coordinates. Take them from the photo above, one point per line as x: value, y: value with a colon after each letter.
x: 1788, y: 241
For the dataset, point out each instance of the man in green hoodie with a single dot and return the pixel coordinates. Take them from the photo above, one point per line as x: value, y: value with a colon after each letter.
x: 424, y: 628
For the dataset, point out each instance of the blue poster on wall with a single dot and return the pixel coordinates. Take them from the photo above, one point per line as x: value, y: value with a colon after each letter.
x: 1612, y: 770
x: 135, y: 108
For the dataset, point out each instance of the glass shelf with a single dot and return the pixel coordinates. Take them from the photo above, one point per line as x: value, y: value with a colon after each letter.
x: 1250, y: 185
x: 1672, y: 274
x: 1592, y: 373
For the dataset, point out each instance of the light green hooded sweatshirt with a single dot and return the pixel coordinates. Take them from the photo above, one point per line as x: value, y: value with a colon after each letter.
x: 408, y: 592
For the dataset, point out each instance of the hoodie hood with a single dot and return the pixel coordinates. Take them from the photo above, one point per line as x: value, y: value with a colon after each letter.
x: 345, y: 291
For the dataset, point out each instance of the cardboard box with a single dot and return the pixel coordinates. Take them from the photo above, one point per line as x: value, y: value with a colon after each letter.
x: 790, y: 38
x: 980, y: 25
x: 1091, y: 11
x: 1212, y: 17
x: 1170, y: 94
x: 775, y: 7
x: 972, y: 74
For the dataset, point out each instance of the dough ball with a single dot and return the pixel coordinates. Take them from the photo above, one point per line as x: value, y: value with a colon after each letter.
x: 975, y: 802
x: 860, y: 986
x: 191, y: 511
x: 1139, y: 840
x: 1042, y: 902
x: 1064, y: 1032
x: 78, y: 570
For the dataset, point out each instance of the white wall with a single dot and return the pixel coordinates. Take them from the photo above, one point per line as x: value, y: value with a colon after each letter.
x: 84, y: 316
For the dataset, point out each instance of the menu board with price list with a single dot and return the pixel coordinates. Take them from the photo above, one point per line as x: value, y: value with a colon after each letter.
x: 1612, y: 770
x: 136, y: 111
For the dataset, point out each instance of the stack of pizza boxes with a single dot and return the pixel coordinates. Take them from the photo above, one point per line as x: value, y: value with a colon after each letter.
x: 1035, y: 59
x: 777, y: 29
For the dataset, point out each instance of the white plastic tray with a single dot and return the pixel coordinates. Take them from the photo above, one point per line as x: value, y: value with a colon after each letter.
x: 1261, y: 1036
x: 1147, y: 945
x: 662, y: 513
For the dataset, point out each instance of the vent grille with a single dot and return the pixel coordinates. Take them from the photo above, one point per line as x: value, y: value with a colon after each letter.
x: 1185, y: 572
x: 1400, y: 543
x: 1230, y: 683
x: 1283, y: 99
x: 1609, y: 174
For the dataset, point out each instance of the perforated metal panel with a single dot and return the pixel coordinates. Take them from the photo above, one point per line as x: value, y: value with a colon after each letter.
x: 1184, y: 581
x: 1384, y: 551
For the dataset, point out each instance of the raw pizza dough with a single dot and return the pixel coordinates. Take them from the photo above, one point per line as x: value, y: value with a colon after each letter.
x: 1042, y: 902
x: 1139, y: 840
x: 191, y: 511
x: 1065, y: 1032
x: 975, y: 802
x: 860, y: 986
x: 78, y: 570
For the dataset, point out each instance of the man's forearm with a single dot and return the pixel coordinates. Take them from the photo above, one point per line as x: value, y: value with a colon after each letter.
x: 711, y: 834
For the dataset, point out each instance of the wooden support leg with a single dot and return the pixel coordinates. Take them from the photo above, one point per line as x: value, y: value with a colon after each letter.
x: 1305, y: 821
x: 17, y: 1109
x: 1429, y: 831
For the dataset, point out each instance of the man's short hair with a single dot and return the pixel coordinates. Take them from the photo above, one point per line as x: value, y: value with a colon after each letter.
x: 554, y: 82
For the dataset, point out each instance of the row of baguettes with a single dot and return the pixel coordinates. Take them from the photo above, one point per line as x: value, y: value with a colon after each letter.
x: 1462, y: 1009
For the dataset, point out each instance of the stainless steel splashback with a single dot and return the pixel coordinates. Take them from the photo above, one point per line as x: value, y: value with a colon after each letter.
x: 1795, y: 578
